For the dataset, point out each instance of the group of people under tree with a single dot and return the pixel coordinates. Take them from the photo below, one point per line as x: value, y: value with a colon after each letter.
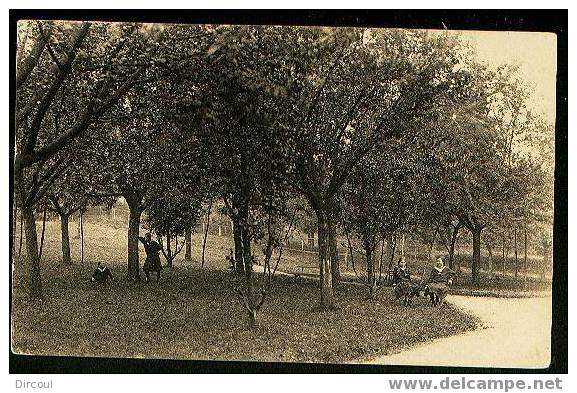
x: 151, y: 263
x: 435, y: 286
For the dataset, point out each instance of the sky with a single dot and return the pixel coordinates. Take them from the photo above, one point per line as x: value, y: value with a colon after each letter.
x: 536, y: 53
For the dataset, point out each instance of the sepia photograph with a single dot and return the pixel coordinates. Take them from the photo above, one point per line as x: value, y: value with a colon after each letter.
x: 284, y: 193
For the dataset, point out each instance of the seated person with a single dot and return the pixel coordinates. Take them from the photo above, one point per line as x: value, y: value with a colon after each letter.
x: 439, y: 280
x: 101, y: 274
x: 401, y: 272
x: 403, y: 288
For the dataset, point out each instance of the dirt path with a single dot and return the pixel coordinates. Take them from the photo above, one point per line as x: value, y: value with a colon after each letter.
x: 515, y: 333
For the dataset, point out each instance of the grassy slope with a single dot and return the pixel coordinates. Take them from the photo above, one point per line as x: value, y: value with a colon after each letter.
x: 193, y: 314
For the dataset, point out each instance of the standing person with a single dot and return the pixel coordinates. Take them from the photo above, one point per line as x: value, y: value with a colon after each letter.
x: 438, y: 283
x: 152, y: 261
x: 101, y: 274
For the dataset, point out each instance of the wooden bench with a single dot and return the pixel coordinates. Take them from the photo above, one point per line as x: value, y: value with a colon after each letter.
x: 306, y: 270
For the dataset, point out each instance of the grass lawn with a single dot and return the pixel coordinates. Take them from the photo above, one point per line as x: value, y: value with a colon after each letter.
x: 192, y: 313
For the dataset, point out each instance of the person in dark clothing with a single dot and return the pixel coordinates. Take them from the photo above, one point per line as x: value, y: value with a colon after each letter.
x: 152, y: 261
x: 401, y: 272
x: 101, y: 274
x: 402, y: 286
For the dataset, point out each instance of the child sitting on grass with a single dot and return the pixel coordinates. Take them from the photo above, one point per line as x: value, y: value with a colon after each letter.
x: 101, y: 274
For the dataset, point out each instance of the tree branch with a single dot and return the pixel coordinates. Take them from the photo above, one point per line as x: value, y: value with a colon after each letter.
x: 55, y: 203
x: 48, y: 97
x: 48, y: 181
x: 25, y: 68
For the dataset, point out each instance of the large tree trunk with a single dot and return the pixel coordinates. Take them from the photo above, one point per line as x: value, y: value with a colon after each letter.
x: 516, y: 257
x: 27, y: 214
x: 525, y: 258
x: 326, y: 281
x: 391, y: 248
x: 206, y: 233
x: 370, y: 271
x: 248, y: 276
x: 334, y: 254
x: 454, y: 236
x: 169, y: 251
x: 188, y: 245
x: 81, y: 236
x: 133, y: 228
x: 432, y: 244
x: 34, y: 278
x: 490, y: 251
x: 476, y: 255
x: 21, y: 233
x: 238, y: 254
x: 65, y: 239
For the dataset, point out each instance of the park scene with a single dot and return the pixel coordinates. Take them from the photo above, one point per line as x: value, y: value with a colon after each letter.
x: 283, y: 194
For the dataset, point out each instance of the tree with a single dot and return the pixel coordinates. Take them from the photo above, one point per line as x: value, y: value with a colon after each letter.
x: 483, y: 182
x: 383, y: 84
x: 72, y: 190
x: 363, y: 202
x: 188, y: 244
x: 169, y: 217
x: 87, y: 66
x: 131, y: 162
x: 373, y: 123
x: 176, y: 195
x: 138, y: 139
x: 380, y: 199
x: 241, y: 161
x: 450, y: 234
